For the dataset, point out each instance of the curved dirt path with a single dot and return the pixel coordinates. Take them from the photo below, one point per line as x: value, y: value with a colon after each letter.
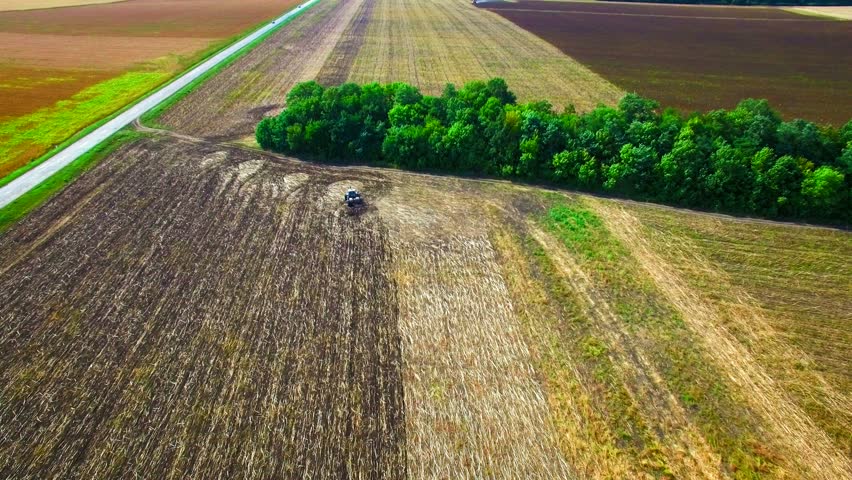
x: 23, y: 184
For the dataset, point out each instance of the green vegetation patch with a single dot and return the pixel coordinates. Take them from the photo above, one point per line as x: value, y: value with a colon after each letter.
x: 31, y: 135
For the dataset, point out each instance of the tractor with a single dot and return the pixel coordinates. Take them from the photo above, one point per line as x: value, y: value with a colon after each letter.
x: 353, y: 199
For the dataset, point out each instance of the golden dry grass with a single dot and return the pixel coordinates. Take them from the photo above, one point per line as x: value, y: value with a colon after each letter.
x: 10, y: 5
x: 432, y: 43
x: 474, y: 406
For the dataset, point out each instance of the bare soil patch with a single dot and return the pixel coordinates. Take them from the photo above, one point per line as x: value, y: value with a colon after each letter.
x: 26, y: 89
x: 90, y: 52
x: 703, y: 58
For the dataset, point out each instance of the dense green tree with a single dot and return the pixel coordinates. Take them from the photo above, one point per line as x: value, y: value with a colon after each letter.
x: 823, y: 191
x: 743, y: 160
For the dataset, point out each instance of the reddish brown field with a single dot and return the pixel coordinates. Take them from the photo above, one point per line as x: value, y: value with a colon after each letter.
x: 53, y: 53
x: 148, y: 18
x: 23, y: 87
x: 703, y: 58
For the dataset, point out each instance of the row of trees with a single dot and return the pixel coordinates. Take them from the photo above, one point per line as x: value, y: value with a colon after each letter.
x: 745, y: 160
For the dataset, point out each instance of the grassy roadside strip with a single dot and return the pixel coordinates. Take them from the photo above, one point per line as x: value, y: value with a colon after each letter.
x: 205, y: 55
x: 30, y: 200
x: 149, y: 119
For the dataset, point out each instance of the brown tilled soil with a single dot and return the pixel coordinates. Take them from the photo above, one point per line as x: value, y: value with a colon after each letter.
x: 704, y: 58
x: 26, y: 89
x: 230, y: 104
x: 190, y: 312
x: 90, y: 52
x: 148, y: 18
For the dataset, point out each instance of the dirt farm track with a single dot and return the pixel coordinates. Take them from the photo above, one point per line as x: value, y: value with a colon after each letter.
x: 191, y: 307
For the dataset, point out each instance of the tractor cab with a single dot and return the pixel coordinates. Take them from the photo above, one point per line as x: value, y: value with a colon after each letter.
x: 352, y: 198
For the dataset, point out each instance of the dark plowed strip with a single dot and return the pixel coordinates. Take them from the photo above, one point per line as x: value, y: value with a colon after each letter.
x: 339, y: 64
x: 199, y: 320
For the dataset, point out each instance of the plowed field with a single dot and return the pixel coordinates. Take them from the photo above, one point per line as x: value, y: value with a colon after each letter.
x: 163, y: 368
x: 704, y: 58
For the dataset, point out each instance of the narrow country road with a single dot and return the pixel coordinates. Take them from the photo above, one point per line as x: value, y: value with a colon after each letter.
x: 23, y: 184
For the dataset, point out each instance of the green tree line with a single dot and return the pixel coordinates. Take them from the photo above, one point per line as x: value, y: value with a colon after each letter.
x: 746, y: 160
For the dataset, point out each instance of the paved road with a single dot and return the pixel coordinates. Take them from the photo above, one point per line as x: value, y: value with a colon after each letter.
x: 27, y: 181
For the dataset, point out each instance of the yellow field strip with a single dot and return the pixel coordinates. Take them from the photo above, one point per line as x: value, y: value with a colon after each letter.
x: 474, y: 407
x: 842, y: 13
x: 432, y: 43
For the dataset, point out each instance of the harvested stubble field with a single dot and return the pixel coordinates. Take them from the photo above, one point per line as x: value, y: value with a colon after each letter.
x: 383, y: 40
x: 230, y: 104
x: 432, y: 43
x: 63, y: 69
x: 457, y: 328
x: 703, y: 58
x: 243, y: 332
x: 782, y: 293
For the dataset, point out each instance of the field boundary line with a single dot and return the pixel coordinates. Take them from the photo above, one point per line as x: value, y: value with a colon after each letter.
x: 33, y: 177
